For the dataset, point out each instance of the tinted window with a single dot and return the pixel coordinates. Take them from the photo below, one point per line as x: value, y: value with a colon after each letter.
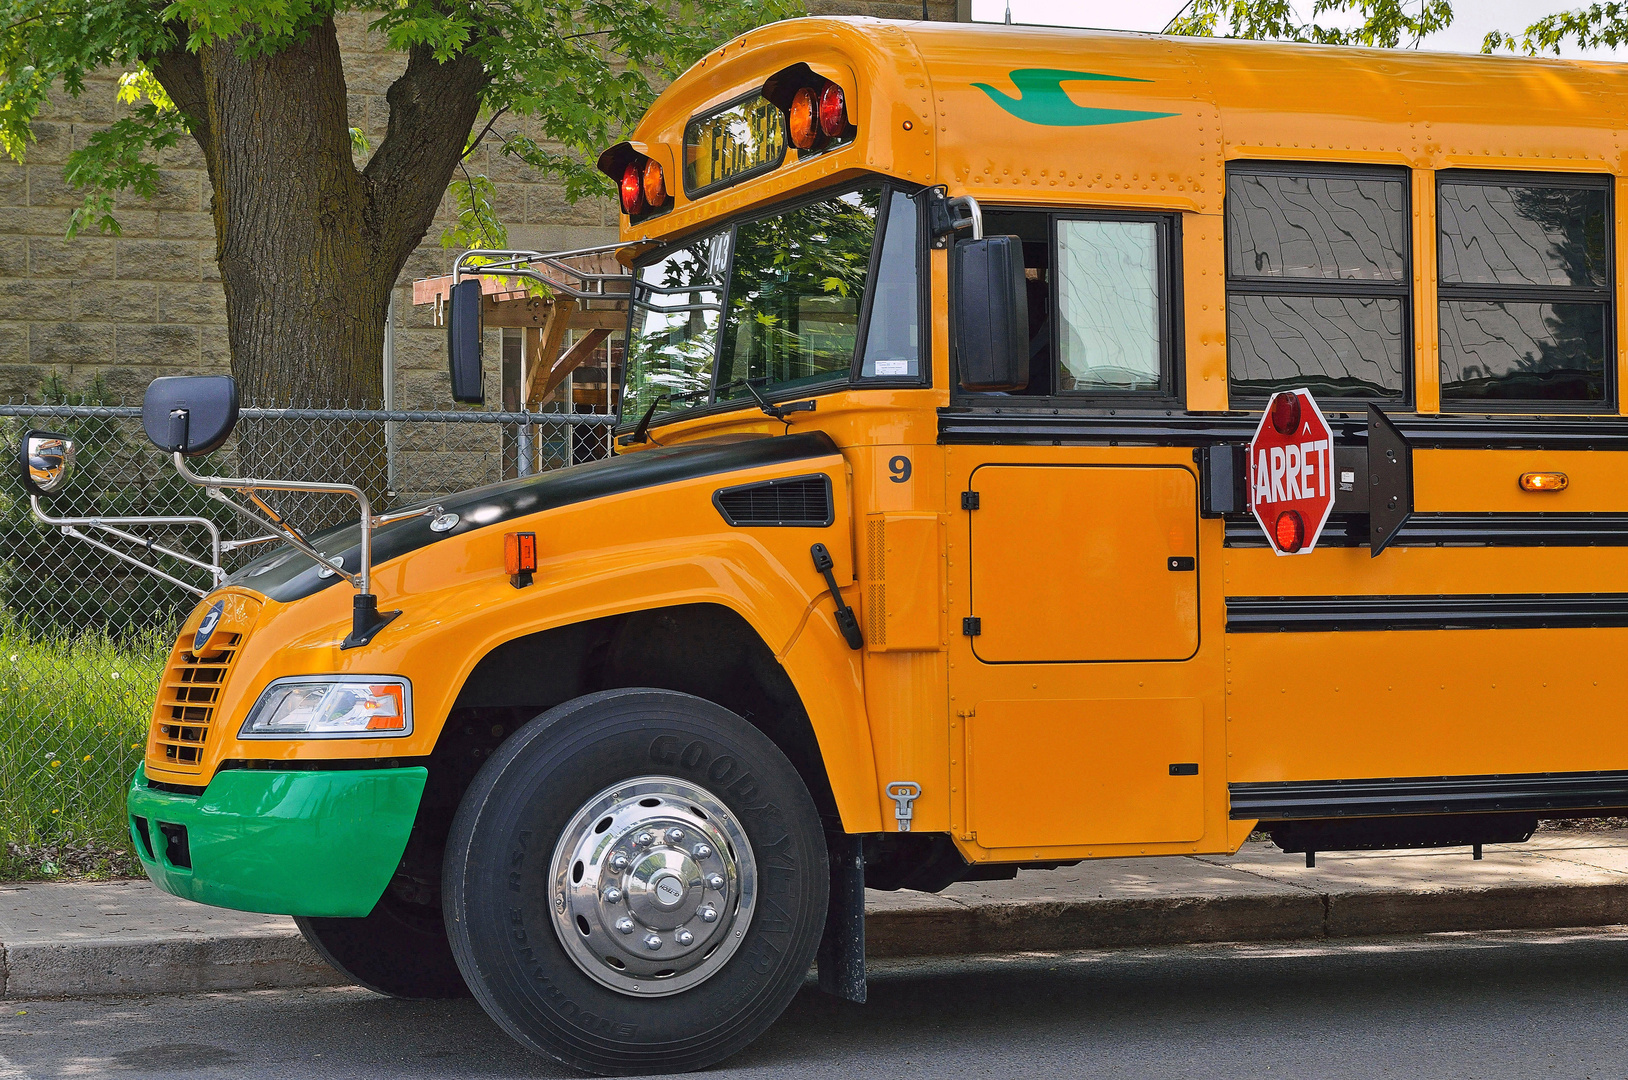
x: 1525, y: 290
x: 893, y: 336
x: 1282, y: 226
x: 1523, y: 235
x: 1335, y: 346
x: 1110, y: 336
x: 795, y: 294
x: 1318, y: 281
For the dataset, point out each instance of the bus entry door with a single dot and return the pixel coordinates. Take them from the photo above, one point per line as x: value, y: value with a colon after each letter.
x: 1084, y: 596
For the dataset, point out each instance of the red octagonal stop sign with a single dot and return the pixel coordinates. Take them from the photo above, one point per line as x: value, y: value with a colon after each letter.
x: 1291, y: 468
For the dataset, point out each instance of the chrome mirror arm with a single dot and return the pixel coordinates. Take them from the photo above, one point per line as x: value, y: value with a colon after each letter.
x: 69, y: 530
x: 216, y: 486
x: 108, y: 524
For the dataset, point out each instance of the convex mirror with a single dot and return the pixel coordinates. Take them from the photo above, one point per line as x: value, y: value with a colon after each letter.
x: 991, y: 314
x: 47, y: 461
x: 192, y: 414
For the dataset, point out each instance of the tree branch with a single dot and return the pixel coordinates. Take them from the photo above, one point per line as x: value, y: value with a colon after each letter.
x: 181, y: 75
x: 433, y: 106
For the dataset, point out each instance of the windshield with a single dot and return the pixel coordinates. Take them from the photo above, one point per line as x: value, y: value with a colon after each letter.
x: 798, y: 281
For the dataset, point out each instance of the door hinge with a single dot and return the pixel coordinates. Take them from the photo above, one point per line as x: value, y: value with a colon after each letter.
x: 972, y: 626
x: 969, y: 500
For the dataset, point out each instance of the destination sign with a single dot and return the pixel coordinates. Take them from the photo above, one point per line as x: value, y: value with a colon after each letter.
x: 736, y: 141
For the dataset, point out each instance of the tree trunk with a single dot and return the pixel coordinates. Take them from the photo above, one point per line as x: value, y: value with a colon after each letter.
x: 309, y: 247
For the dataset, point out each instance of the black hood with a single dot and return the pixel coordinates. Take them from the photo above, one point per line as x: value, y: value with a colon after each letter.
x: 285, y: 574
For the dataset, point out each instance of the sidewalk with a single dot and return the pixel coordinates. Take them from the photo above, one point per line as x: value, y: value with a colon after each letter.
x: 129, y: 938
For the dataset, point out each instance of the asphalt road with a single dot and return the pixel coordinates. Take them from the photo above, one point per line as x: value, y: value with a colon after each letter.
x: 1531, y: 1004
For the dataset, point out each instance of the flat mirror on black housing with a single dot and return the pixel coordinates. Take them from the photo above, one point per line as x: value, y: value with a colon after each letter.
x: 991, y: 314
x: 189, y: 414
x: 464, y: 342
x: 46, y: 460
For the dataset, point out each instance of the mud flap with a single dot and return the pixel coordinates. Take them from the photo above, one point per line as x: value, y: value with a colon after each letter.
x: 842, y: 948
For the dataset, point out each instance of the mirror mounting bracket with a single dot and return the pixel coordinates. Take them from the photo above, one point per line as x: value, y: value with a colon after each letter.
x: 947, y: 216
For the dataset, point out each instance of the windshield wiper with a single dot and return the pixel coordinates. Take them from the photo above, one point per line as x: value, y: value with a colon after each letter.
x: 777, y: 411
x: 641, y: 431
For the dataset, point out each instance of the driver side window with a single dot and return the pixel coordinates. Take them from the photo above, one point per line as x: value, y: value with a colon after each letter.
x: 1101, y: 296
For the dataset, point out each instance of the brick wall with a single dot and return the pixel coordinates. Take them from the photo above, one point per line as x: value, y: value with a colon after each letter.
x: 148, y: 302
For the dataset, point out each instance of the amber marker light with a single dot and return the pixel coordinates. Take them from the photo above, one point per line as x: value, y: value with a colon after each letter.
x: 385, y: 709
x: 801, y: 121
x: 655, y: 185
x: 520, y: 557
x: 1290, y: 531
x: 632, y: 190
x: 1544, y: 481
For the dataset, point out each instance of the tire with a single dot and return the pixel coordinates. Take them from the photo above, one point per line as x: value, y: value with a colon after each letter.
x: 397, y: 949
x: 535, y: 846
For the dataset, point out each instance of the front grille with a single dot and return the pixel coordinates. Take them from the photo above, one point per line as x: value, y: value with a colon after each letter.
x: 187, y: 702
x: 796, y: 500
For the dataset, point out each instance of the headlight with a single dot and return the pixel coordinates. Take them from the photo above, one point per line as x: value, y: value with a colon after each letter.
x: 332, y: 707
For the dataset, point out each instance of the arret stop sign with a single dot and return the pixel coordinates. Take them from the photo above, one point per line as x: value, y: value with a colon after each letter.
x: 1291, y: 472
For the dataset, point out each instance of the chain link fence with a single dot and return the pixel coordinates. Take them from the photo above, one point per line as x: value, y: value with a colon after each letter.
x: 84, y: 634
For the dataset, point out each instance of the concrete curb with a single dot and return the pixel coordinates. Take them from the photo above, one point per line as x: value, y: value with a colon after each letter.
x: 1017, y: 926
x: 280, y: 957
x: 228, y: 962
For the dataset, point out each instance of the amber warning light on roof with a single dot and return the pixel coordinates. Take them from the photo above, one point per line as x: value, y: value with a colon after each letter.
x: 1291, y: 462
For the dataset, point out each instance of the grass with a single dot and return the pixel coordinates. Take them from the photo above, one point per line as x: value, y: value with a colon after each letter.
x: 73, y: 721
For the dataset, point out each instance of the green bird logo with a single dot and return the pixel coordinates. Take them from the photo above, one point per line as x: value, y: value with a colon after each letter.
x: 1041, y: 99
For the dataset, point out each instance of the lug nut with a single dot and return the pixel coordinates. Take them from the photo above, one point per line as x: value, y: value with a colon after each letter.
x: 644, y: 839
x: 675, y: 836
x: 684, y: 937
x: 612, y: 895
x: 708, y: 914
x: 652, y: 942
x: 715, y: 881
x: 625, y: 925
x: 618, y: 861
x: 700, y: 851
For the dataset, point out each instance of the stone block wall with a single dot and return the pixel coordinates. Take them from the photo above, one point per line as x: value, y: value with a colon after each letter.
x: 148, y: 302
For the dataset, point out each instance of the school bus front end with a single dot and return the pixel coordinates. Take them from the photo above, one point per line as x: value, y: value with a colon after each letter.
x: 927, y: 552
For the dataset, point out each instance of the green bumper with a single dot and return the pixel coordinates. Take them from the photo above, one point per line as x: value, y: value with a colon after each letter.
x: 282, y: 842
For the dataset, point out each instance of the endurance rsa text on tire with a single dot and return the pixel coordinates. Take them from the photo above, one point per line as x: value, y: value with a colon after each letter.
x: 636, y: 882
x: 398, y: 949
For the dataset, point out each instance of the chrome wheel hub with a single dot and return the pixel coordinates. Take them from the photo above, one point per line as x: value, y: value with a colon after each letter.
x: 654, y: 886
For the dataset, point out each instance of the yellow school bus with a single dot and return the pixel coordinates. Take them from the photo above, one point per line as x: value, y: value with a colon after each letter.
x: 925, y: 554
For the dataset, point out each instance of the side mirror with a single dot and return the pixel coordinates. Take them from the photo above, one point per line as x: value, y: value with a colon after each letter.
x: 991, y: 314
x: 46, y: 460
x: 192, y: 414
x: 463, y: 342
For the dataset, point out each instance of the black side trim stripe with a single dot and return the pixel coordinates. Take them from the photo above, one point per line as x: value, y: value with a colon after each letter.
x: 285, y: 575
x: 1033, y: 427
x: 1315, y: 614
x: 1288, y: 800
x: 1482, y: 530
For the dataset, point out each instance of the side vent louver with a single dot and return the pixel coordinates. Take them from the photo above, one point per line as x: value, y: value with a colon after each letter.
x: 803, y: 501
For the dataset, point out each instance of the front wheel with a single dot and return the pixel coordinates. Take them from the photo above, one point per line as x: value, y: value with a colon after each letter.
x: 636, y: 882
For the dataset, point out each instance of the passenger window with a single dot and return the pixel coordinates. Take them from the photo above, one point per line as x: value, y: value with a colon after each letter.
x: 1110, y: 337
x: 795, y: 294
x: 1525, y: 290
x: 1318, y: 281
x: 893, y: 331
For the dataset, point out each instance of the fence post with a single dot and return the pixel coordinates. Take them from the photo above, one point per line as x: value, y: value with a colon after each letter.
x: 390, y: 394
